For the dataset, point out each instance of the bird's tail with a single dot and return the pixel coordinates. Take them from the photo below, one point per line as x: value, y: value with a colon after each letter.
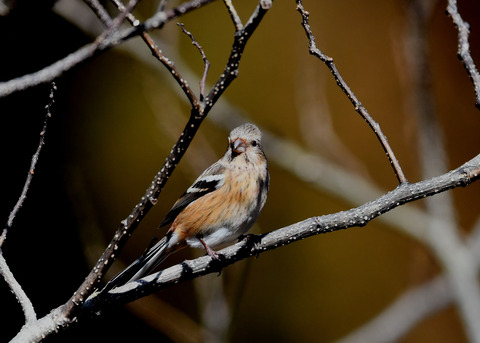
x: 142, y: 266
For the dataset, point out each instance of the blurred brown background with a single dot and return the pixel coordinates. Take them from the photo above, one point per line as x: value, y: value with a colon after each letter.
x: 117, y: 116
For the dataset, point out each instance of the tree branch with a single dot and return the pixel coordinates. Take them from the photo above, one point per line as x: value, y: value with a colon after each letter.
x: 406, y: 192
x: 444, y: 238
x: 100, y: 12
x: 230, y: 72
x: 464, y: 48
x: 26, y: 304
x: 356, y: 217
x: 237, y: 22
x: 22, y: 298
x: 204, y: 57
x: 167, y: 63
x: 460, y: 177
x: 33, y: 165
x: 359, y: 108
x: 104, y: 42
x: 39, y: 329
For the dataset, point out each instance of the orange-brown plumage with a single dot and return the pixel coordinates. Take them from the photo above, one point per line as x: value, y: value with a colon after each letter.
x: 220, y: 206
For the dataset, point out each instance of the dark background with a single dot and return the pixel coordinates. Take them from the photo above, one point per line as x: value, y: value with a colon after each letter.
x: 116, y: 117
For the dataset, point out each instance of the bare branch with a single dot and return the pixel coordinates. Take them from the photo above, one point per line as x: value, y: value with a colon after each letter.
x: 121, y: 7
x: 33, y: 165
x: 231, y: 69
x: 49, y: 73
x: 464, y: 47
x: 445, y: 241
x: 100, y: 11
x: 104, y: 42
x: 237, y: 22
x: 22, y: 298
x: 187, y: 270
x: 360, y: 216
x: 359, y: 108
x: 200, y: 108
x: 204, y: 57
x: 36, y: 331
x: 170, y: 65
x: 157, y: 53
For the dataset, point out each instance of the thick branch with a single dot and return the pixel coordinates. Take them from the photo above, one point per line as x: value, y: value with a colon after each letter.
x: 460, y: 177
x: 39, y: 329
x: 360, y: 216
x: 17, y: 290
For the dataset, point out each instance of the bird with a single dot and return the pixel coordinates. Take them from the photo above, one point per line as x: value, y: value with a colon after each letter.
x: 219, y: 207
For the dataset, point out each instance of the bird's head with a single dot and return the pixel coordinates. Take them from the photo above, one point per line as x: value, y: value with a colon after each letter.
x: 246, y: 141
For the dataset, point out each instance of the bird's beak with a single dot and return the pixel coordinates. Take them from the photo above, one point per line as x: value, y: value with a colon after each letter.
x: 239, y: 145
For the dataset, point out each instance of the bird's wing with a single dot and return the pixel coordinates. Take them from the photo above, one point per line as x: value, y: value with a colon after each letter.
x: 210, y: 180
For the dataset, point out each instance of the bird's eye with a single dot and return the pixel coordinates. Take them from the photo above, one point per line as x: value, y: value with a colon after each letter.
x: 254, y: 143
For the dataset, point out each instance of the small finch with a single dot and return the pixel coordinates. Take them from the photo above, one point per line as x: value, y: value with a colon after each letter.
x: 222, y: 204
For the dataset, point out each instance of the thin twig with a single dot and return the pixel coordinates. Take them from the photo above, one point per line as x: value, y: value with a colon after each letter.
x: 115, y: 24
x: 237, y: 22
x: 22, y: 298
x: 99, y: 11
x: 230, y: 72
x: 359, y: 108
x: 170, y: 65
x: 464, y: 47
x: 204, y: 57
x: 107, y: 39
x: 33, y: 165
x: 121, y: 7
x: 156, y: 52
